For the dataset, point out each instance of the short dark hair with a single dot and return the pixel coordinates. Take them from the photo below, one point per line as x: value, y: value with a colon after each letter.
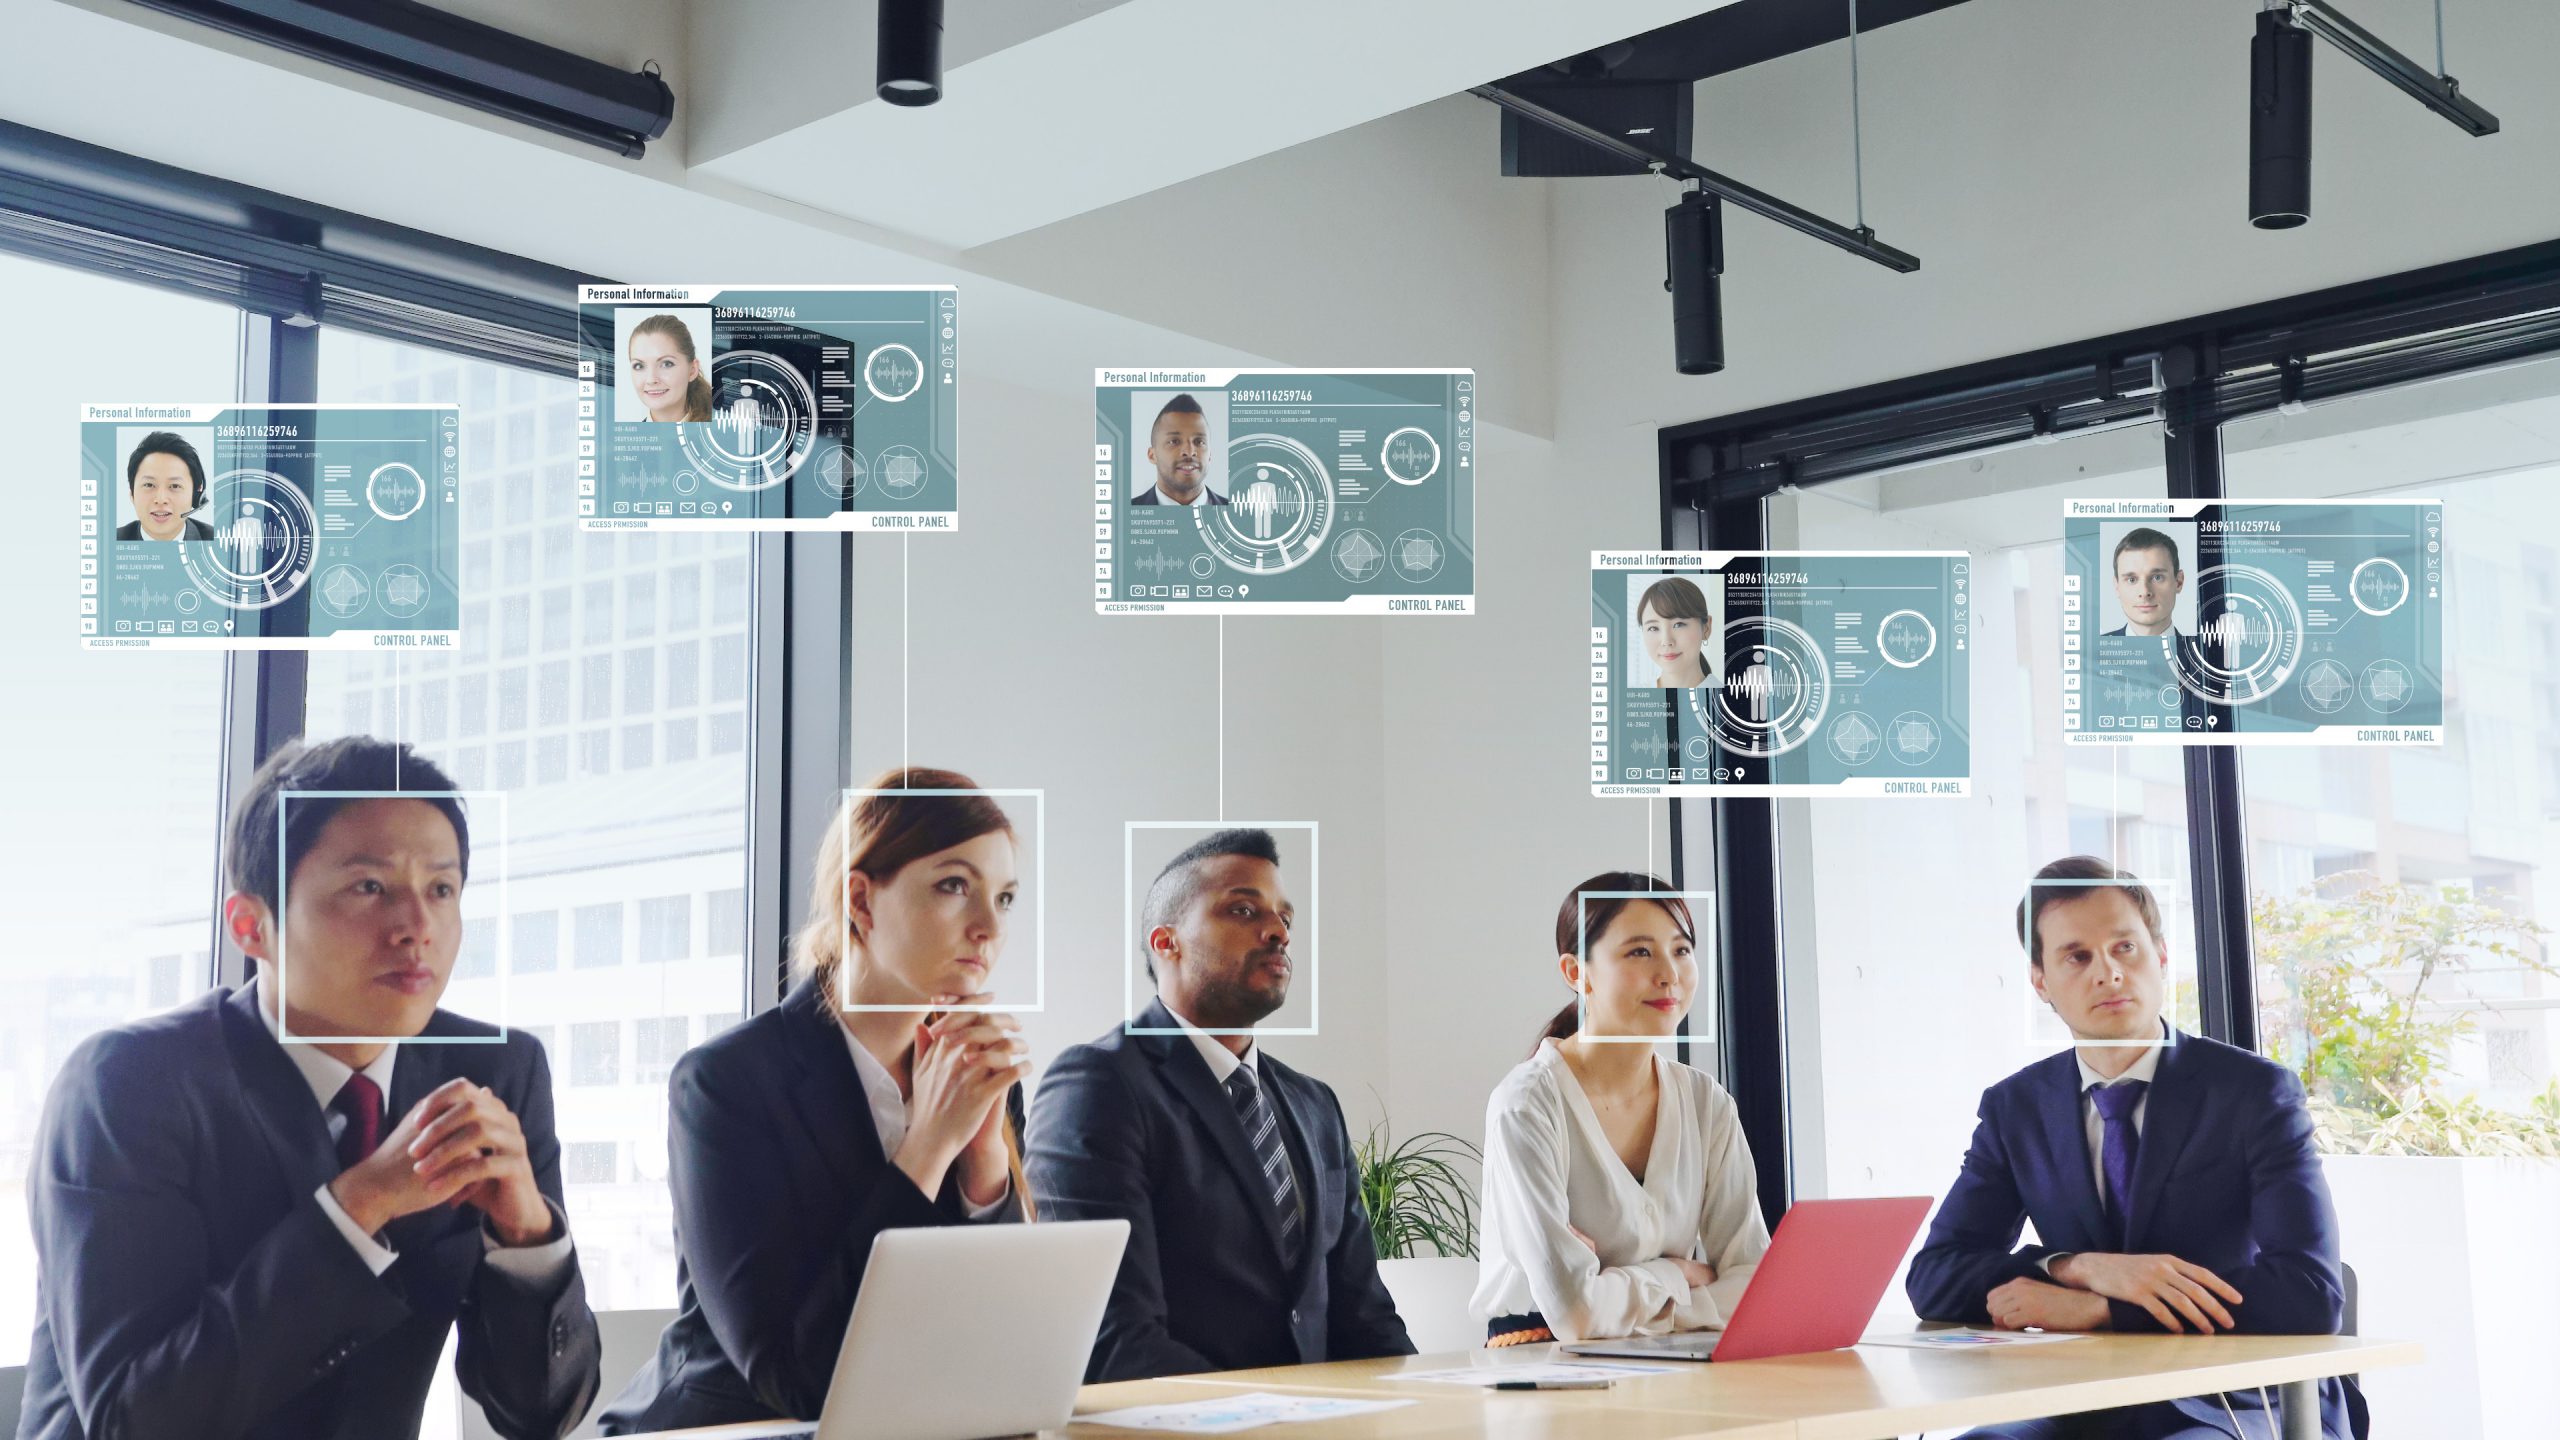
x: 1178, y: 883
x: 2143, y: 537
x: 350, y: 762
x: 2080, y: 875
x: 166, y: 442
x: 1181, y: 404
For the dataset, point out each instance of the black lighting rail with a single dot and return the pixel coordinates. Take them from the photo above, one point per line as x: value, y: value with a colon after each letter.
x: 2440, y: 93
x: 1860, y: 240
x: 445, y: 55
x: 85, y: 206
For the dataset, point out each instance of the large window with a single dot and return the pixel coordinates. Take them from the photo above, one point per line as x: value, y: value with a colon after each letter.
x: 111, y: 761
x: 625, y: 830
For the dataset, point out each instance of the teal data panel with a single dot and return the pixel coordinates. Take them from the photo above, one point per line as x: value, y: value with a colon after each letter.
x: 2193, y: 622
x: 269, y: 527
x: 1780, y: 672
x: 1284, y: 492
x: 771, y: 407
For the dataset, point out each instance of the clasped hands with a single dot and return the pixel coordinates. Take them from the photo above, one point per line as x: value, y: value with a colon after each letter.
x: 461, y: 1145
x: 2180, y: 1294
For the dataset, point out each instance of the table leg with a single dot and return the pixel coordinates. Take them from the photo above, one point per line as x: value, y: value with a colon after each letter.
x: 2300, y: 1401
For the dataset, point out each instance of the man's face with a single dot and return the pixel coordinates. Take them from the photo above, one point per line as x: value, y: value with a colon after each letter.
x: 1180, y: 450
x: 2147, y: 586
x: 372, y: 922
x: 2104, y: 972
x: 1229, y: 964
x: 163, y: 492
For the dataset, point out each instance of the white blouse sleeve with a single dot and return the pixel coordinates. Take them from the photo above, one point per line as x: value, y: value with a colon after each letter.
x: 1731, y: 1235
x: 1527, y: 1211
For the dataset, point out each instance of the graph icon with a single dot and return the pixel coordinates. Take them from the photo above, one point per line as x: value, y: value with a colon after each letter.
x: 1853, y: 738
x: 2388, y: 687
x: 1912, y: 738
x: 2327, y: 686
x: 404, y: 591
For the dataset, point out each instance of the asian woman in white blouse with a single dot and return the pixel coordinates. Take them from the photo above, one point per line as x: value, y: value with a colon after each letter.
x: 1618, y: 1190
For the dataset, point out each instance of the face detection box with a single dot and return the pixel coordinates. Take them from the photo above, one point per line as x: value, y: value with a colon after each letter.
x: 2192, y: 622
x: 1284, y: 492
x: 1780, y: 673
x: 802, y: 407
x: 269, y: 527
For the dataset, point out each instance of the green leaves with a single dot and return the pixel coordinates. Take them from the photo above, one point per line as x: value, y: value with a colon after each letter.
x: 1416, y: 1195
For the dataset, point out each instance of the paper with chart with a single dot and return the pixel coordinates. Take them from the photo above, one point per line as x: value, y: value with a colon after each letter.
x: 1229, y: 1414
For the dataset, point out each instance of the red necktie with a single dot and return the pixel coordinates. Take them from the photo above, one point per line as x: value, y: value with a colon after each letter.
x: 360, y: 1100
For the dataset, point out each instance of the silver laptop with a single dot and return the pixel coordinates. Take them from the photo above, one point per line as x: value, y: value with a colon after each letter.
x: 967, y: 1331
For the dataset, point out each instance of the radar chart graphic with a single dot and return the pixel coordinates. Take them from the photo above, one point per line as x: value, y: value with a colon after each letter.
x: 2249, y: 642
x: 1409, y: 456
x: 1418, y: 556
x: 893, y: 373
x: 842, y: 471
x: 395, y: 491
x: 1853, y: 738
x: 763, y: 424
x: 343, y: 591
x: 2387, y: 686
x: 1775, y: 690
x: 404, y: 591
x: 902, y: 471
x: 264, y: 535
x: 1279, y: 510
x: 2327, y: 687
x: 1906, y: 638
x: 1912, y: 738
x: 1358, y: 556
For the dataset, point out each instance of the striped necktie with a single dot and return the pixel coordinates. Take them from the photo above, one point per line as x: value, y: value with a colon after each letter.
x: 1262, y: 1133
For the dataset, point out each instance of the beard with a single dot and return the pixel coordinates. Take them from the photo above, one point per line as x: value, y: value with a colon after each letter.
x: 1229, y: 1002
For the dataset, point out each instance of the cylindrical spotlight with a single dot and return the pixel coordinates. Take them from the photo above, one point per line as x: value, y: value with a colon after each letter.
x: 2279, y: 123
x: 1693, y: 236
x: 910, y: 51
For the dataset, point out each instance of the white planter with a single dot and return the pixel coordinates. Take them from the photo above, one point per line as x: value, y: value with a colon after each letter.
x: 1431, y: 1296
x: 2463, y: 1256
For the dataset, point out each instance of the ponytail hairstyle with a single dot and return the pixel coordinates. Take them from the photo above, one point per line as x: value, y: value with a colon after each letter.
x: 1581, y: 922
x: 880, y: 833
x: 697, y: 396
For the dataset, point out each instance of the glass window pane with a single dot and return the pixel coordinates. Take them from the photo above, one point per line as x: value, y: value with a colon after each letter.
x: 589, y: 852
x: 102, y: 754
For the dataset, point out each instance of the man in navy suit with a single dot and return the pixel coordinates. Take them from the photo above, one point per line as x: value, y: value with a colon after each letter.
x: 2171, y: 1178
x: 1248, y: 1244
x: 242, y: 1235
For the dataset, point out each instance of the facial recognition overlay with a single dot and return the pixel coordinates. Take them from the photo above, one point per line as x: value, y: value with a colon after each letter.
x: 482, y: 967
x: 1638, y: 934
x: 1284, y: 492
x: 2192, y: 622
x: 2074, y: 980
x: 1148, y: 845
x: 944, y: 893
x: 805, y: 407
x: 289, y: 527
x: 1782, y: 672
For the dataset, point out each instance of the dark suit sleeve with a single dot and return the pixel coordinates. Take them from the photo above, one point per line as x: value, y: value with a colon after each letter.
x: 1088, y: 1161
x: 1363, y: 1323
x: 152, y: 1341
x: 1973, y: 1247
x: 777, y: 1295
x: 530, y: 1354
x: 2292, y: 1287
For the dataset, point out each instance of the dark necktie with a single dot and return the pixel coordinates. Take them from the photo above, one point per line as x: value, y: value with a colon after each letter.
x: 1262, y: 1134
x: 360, y: 1101
x: 2118, y: 1146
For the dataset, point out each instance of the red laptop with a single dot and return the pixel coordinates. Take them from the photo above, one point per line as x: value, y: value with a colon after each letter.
x: 1816, y: 1289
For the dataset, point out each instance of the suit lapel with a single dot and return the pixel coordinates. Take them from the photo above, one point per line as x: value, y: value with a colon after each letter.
x: 280, y: 1103
x: 1187, y: 1075
x: 2168, y: 1117
x: 829, y: 1095
x: 2066, y: 1138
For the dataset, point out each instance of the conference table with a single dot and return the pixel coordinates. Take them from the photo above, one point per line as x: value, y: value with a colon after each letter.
x: 1872, y: 1392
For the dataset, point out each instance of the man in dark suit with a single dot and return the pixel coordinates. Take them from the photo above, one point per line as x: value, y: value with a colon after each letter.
x: 1248, y: 1244
x: 1178, y: 446
x: 241, y: 1232
x: 2171, y: 1179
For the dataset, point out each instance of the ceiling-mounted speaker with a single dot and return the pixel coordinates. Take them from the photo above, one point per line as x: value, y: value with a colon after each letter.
x: 1652, y: 113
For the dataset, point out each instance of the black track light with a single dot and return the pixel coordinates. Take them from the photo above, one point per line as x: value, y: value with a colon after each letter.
x: 910, y: 49
x: 1693, y: 238
x: 2279, y: 123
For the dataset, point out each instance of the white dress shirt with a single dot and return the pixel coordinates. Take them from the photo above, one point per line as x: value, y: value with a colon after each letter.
x: 1549, y: 1170
x: 889, y: 1116
x: 538, y: 1265
x: 2094, y: 1125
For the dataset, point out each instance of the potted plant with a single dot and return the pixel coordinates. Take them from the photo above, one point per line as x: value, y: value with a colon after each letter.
x: 1422, y: 1215
x: 2365, y: 990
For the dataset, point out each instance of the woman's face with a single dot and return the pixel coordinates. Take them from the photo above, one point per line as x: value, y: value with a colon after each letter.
x: 1640, y: 975
x: 1673, y: 643
x: 937, y: 926
x: 660, y: 374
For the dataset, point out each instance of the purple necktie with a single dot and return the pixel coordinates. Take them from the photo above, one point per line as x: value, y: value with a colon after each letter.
x: 2117, y: 1146
x: 360, y: 1100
